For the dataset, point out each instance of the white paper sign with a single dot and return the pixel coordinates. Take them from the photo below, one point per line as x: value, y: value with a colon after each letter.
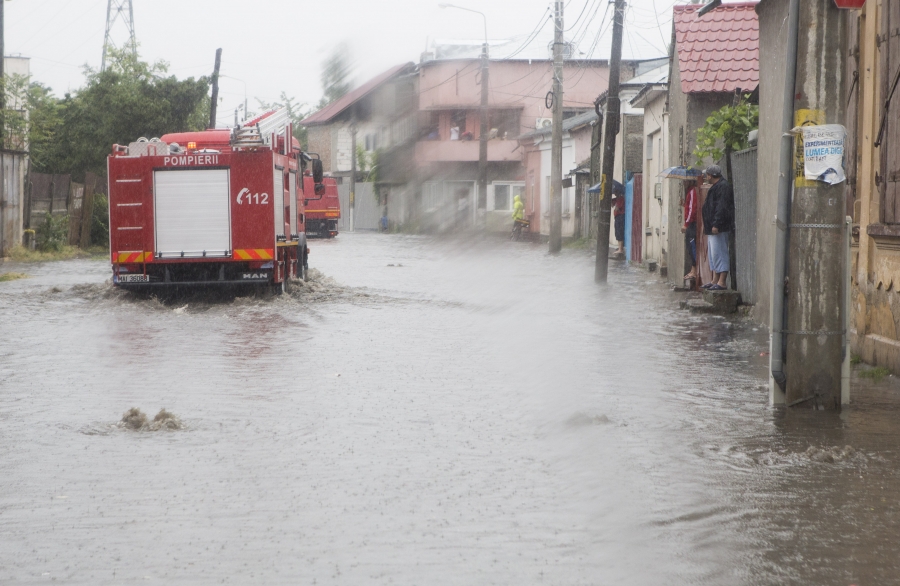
x: 823, y: 152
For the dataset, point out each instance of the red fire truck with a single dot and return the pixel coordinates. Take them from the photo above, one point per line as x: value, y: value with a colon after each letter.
x: 322, y: 215
x: 210, y: 208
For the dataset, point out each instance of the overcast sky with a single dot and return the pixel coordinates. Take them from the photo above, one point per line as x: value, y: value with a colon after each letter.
x: 278, y: 45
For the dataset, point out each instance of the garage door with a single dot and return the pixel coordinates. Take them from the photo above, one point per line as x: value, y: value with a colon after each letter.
x: 193, y: 213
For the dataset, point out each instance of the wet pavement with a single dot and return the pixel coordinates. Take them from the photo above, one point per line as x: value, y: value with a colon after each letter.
x: 426, y: 411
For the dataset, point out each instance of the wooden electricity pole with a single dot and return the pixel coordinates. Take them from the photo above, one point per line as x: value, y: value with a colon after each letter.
x: 215, y: 89
x: 601, y: 266
x: 556, y: 145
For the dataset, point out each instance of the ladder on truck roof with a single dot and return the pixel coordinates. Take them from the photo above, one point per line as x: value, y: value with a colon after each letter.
x: 258, y: 132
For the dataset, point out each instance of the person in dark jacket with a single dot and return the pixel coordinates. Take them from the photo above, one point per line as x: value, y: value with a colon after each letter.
x: 718, y: 221
x: 618, y: 194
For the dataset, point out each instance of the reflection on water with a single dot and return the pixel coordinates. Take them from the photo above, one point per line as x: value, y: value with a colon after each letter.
x: 444, y: 411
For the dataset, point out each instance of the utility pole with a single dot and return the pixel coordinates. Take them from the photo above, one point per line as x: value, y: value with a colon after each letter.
x: 815, y: 258
x: 601, y: 266
x: 596, y: 161
x: 483, y: 131
x: 114, y: 9
x: 556, y: 145
x: 353, y: 169
x: 215, y: 91
x: 2, y: 77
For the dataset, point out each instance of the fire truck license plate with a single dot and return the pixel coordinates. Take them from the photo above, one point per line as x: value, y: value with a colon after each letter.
x: 134, y: 278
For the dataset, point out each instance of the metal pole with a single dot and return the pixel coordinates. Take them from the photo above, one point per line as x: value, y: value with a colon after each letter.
x: 106, y: 36
x: 214, y: 102
x: 131, y: 28
x: 783, y: 214
x: 815, y: 262
x: 601, y: 266
x: 556, y: 146
x: 845, y: 308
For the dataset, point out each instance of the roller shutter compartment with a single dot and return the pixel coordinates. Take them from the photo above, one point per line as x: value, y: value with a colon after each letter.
x: 192, y: 213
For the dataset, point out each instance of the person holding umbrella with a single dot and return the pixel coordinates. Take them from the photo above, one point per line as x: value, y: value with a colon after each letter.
x: 690, y: 176
x: 689, y: 228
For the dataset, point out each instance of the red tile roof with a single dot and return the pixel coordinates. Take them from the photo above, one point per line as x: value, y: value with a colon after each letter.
x: 325, y: 115
x: 718, y: 52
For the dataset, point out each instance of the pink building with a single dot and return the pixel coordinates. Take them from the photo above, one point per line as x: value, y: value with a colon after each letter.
x: 448, y: 141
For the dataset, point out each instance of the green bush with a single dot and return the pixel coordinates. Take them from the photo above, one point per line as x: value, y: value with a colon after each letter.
x: 53, y: 233
x: 100, y: 221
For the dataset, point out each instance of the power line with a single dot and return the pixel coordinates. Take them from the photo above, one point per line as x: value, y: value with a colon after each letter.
x: 528, y: 40
x: 583, y: 8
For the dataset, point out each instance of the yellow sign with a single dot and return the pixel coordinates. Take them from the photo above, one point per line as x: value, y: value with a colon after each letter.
x: 804, y: 118
x: 602, y: 186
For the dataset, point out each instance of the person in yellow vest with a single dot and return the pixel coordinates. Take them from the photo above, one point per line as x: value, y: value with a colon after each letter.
x: 518, y: 209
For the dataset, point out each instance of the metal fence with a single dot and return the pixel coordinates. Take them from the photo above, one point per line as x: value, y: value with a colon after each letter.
x: 743, y: 165
x: 367, y: 212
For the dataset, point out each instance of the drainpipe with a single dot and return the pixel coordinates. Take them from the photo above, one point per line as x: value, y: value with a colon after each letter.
x: 783, y: 212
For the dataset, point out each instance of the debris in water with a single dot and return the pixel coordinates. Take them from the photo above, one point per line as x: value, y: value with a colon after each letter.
x: 165, y: 420
x: 180, y: 310
x: 134, y: 419
x: 581, y: 419
x: 830, y: 455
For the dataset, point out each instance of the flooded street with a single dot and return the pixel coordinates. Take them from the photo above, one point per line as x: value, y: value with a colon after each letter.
x: 427, y: 412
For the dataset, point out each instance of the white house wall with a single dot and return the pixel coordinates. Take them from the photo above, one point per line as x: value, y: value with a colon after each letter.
x: 568, y: 193
x: 655, y: 218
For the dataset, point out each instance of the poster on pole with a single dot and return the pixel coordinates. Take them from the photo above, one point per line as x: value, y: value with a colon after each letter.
x: 823, y: 152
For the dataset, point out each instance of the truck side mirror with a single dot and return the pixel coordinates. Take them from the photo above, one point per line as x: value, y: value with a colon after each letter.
x: 320, y: 189
x: 317, y: 171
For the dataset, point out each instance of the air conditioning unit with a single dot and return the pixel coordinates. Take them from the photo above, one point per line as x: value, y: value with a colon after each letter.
x: 543, y: 123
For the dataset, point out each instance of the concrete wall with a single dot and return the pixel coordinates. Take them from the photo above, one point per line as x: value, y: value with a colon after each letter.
x: 772, y: 62
x: 687, y: 114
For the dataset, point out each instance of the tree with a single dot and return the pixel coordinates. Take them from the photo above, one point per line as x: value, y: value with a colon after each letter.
x: 44, y: 119
x: 726, y: 130
x: 296, y: 111
x: 336, y: 74
x: 130, y: 99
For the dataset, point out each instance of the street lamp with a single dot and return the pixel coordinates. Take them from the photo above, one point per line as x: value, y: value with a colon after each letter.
x: 246, y: 112
x: 483, y: 113
x: 445, y: 5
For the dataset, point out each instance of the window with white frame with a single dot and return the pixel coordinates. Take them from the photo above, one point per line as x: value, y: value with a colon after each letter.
x: 504, y: 193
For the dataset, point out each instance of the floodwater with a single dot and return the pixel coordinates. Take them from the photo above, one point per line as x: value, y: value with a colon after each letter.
x: 441, y: 412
